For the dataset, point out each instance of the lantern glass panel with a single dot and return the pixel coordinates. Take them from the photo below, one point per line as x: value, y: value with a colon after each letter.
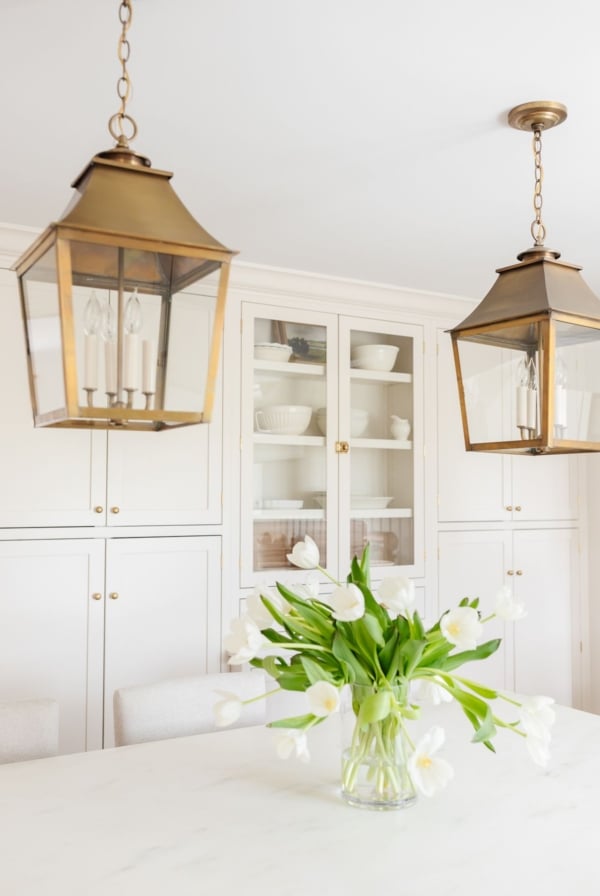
x: 501, y: 379
x: 577, y: 383
x: 42, y: 316
x: 137, y: 333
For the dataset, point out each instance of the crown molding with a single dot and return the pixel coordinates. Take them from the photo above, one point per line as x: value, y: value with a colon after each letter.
x: 260, y: 282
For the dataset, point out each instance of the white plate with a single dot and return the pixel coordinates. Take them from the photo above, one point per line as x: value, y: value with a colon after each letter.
x: 359, y: 502
x: 281, y: 504
x: 369, y: 502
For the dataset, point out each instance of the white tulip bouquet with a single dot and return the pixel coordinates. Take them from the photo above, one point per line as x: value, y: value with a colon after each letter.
x: 375, y: 642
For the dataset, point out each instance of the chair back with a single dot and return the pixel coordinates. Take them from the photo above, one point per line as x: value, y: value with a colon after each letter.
x: 179, y: 707
x: 28, y: 729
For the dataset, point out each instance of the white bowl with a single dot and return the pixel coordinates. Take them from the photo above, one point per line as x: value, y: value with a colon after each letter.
x: 283, y: 419
x: 359, y: 420
x: 272, y: 351
x: 374, y: 357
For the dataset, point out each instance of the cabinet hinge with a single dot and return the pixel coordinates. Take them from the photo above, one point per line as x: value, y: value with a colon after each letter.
x: 581, y: 647
x: 241, y: 324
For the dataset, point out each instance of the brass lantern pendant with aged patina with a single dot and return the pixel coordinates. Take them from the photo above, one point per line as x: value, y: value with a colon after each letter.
x: 528, y: 357
x: 123, y: 297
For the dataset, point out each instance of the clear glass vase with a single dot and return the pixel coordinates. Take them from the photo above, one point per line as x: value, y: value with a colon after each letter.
x: 374, y: 754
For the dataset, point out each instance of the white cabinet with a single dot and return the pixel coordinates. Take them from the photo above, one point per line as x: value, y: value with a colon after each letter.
x: 52, y: 477
x: 51, y: 631
x: 541, y: 565
x: 342, y: 475
x: 488, y: 487
x: 163, y: 615
x: 77, y: 624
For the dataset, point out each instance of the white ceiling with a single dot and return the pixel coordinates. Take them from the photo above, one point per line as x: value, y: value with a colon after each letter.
x: 357, y: 138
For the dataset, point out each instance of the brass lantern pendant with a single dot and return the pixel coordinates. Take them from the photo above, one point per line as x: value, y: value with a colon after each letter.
x: 528, y: 357
x: 123, y: 297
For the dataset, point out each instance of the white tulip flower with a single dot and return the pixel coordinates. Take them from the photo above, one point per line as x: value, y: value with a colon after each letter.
x: 311, y: 587
x: 245, y: 640
x: 305, y: 554
x: 508, y: 607
x: 429, y: 773
x: 539, y: 750
x: 323, y: 698
x: 461, y: 627
x: 228, y: 709
x: 424, y: 690
x: 257, y: 610
x: 396, y: 594
x: 347, y: 602
x: 537, y: 717
x: 292, y: 741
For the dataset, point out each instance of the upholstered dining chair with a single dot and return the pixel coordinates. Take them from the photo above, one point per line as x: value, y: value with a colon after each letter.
x: 178, y: 707
x: 28, y: 729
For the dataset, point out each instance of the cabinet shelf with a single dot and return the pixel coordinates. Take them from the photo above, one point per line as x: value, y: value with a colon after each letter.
x: 386, y: 444
x: 309, y: 514
x: 265, y: 438
x: 287, y: 368
x: 389, y: 513
x: 379, y: 376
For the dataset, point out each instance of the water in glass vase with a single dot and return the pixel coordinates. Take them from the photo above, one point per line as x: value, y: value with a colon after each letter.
x: 374, y: 754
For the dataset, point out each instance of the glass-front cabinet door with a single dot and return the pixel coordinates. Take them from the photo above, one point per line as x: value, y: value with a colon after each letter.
x: 330, y: 425
x: 381, y: 443
x: 289, y: 471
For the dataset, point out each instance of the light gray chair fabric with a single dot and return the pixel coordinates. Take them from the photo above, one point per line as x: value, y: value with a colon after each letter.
x: 28, y: 729
x: 178, y: 707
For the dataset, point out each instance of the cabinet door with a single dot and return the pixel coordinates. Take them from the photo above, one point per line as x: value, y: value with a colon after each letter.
x: 162, y: 612
x: 52, y: 612
x: 546, y: 580
x: 48, y: 477
x: 165, y: 478
x: 544, y: 488
x: 289, y: 431
x: 381, y: 423
x: 474, y: 564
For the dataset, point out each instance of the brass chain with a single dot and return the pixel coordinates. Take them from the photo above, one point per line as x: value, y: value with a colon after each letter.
x: 538, y: 231
x: 120, y: 119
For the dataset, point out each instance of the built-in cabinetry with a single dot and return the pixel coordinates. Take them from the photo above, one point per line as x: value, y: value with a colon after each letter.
x: 331, y: 441
x: 511, y: 521
x: 110, y: 554
x: 84, y: 616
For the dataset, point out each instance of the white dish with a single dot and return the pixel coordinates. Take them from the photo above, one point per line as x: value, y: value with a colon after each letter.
x: 359, y: 420
x: 281, y: 504
x: 283, y: 419
x: 272, y: 351
x: 359, y: 502
x: 374, y: 357
x: 369, y: 502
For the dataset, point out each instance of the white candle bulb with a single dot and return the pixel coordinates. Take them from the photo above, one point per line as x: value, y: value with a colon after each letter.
x: 148, y: 367
x: 90, y: 377
x: 110, y: 367
x: 522, y: 405
x: 130, y: 361
x: 531, y: 408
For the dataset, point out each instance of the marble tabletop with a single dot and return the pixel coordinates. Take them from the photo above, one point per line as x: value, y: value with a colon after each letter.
x: 220, y: 814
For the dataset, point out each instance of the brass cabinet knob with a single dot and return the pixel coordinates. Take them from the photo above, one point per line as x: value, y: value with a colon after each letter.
x: 114, y: 509
x: 508, y: 507
x: 519, y: 572
x: 96, y: 595
x: 518, y: 507
x: 114, y: 595
x: 342, y: 447
x: 510, y: 572
x: 99, y: 509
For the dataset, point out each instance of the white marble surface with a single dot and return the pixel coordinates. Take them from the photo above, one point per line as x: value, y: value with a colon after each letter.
x: 218, y: 813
